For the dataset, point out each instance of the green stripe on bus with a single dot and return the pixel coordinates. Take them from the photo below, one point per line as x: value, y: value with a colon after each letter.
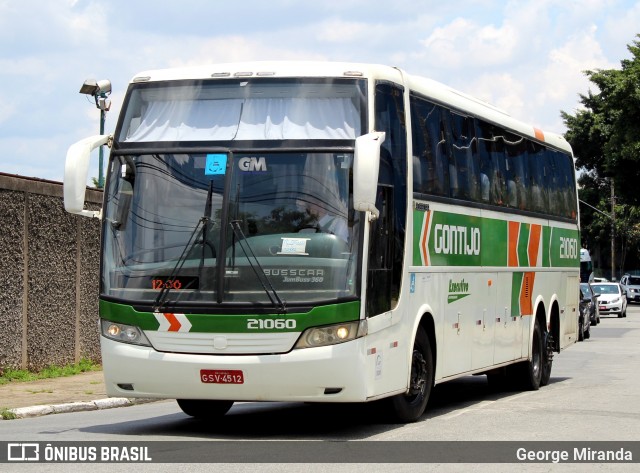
x: 463, y: 240
x: 523, y: 245
x: 226, y: 323
x: 516, y: 285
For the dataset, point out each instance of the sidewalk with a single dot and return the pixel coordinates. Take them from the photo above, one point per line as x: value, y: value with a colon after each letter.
x: 81, y: 392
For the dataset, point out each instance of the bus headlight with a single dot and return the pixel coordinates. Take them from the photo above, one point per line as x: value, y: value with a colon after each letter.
x: 124, y: 333
x: 332, y: 334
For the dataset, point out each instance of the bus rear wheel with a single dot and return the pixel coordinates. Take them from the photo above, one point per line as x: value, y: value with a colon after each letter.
x: 204, y: 408
x: 408, y: 407
x: 530, y: 373
x: 547, y: 357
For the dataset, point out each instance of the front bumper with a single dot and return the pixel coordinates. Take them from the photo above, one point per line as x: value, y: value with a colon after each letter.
x: 633, y: 296
x: 326, y: 374
x: 615, y: 308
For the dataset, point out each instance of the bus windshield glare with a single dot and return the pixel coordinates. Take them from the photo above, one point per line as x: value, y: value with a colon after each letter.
x: 283, y: 222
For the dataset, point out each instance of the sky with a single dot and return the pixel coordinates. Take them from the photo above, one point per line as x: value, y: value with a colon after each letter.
x: 527, y: 57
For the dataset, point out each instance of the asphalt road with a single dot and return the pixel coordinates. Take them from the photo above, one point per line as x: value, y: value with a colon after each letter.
x: 593, y: 396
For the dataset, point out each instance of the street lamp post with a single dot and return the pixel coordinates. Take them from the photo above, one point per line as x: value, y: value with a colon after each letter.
x: 99, y: 90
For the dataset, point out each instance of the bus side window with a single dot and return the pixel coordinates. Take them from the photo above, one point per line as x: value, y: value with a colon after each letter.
x: 492, y: 162
x: 556, y: 198
x: 567, y: 184
x: 516, y: 152
x: 464, y: 156
x: 430, y: 157
x: 537, y: 177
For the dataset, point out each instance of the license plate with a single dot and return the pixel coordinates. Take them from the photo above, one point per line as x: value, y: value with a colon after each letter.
x: 603, y: 307
x: 222, y: 376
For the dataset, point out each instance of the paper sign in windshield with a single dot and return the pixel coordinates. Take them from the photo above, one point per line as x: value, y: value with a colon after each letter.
x: 294, y: 246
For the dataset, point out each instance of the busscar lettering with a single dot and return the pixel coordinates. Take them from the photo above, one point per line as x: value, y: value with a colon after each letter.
x: 303, y: 272
x: 297, y: 276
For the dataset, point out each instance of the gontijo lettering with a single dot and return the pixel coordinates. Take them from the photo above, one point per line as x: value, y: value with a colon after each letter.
x: 456, y: 240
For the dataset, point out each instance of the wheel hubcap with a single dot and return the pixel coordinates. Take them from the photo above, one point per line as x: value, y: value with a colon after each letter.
x: 418, y: 375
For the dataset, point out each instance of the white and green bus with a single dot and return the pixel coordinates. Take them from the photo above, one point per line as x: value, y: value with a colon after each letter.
x: 326, y: 232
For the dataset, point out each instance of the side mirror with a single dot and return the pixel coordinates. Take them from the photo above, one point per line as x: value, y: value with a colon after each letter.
x: 366, y: 165
x: 76, y: 171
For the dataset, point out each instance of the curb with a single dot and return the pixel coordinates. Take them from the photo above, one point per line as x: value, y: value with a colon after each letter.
x: 107, y: 403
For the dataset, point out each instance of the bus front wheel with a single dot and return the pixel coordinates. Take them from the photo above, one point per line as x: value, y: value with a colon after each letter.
x: 204, y: 409
x: 408, y: 407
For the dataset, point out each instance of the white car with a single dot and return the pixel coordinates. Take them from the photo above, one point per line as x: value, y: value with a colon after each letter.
x: 611, y: 298
x: 631, y: 286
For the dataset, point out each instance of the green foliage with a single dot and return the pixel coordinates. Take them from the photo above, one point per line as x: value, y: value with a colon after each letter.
x: 7, y: 414
x: 605, y: 137
x: 53, y: 371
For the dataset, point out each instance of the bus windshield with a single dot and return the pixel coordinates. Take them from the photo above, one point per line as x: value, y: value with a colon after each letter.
x: 223, y: 227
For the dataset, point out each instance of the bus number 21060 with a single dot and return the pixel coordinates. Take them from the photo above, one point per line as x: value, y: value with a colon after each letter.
x: 271, y: 324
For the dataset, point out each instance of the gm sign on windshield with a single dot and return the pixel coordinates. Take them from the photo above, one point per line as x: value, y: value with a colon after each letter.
x: 252, y: 164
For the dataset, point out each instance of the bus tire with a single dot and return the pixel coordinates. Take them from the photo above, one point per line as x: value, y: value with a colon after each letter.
x: 408, y: 407
x: 530, y: 372
x: 580, y: 331
x: 547, y: 358
x: 204, y: 408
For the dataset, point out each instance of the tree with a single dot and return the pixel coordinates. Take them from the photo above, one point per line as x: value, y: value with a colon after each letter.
x: 605, y: 137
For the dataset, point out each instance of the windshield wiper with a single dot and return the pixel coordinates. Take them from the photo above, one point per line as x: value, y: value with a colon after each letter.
x: 202, y: 228
x: 166, y: 288
x: 272, y: 294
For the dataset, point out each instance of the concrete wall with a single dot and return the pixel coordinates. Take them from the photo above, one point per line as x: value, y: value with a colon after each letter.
x: 49, y: 263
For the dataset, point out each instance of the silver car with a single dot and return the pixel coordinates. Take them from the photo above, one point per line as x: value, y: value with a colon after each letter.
x: 631, y: 286
x: 612, y: 299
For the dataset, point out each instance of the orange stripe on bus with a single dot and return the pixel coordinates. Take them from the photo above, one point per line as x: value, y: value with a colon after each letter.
x: 425, y: 233
x: 526, y: 305
x: 514, y: 232
x: 534, y: 244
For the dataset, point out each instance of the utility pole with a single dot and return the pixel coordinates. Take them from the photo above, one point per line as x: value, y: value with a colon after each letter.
x: 613, y: 232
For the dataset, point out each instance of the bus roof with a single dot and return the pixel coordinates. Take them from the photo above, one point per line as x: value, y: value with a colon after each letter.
x: 428, y: 88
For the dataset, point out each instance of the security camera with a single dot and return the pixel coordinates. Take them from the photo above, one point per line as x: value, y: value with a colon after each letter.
x: 104, y: 86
